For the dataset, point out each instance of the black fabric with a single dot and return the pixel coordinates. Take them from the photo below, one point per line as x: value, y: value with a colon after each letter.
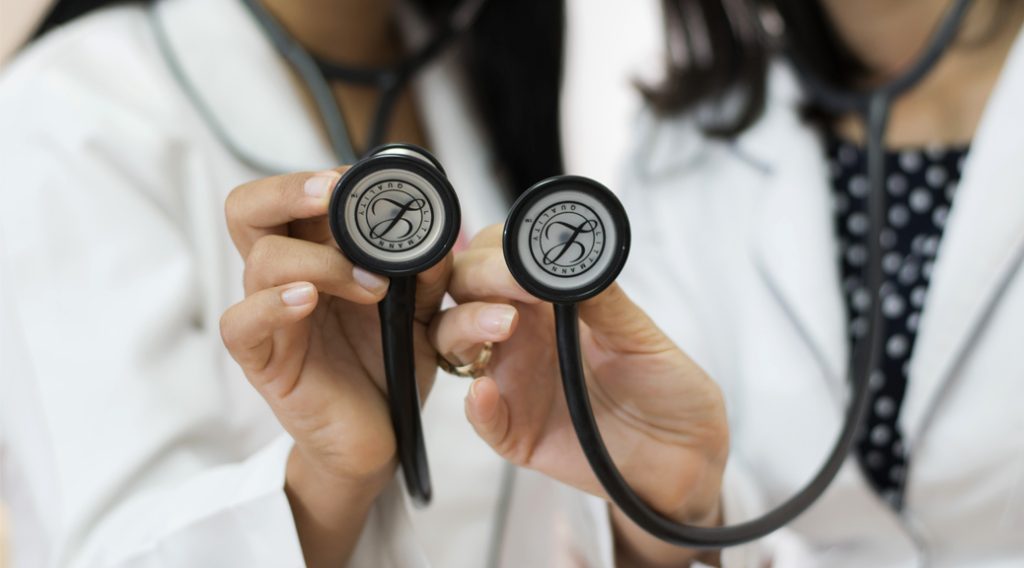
x: 920, y: 185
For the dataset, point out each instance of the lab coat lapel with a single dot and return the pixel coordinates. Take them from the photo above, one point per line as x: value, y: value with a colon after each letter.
x: 252, y: 96
x: 793, y: 240
x: 981, y: 250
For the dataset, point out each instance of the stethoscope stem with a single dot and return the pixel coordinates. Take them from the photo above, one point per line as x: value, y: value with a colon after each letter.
x: 397, y: 311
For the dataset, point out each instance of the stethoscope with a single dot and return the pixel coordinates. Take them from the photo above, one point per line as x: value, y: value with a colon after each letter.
x: 393, y: 212
x: 567, y: 238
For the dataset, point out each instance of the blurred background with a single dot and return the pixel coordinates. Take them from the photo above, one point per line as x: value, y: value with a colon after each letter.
x: 610, y: 45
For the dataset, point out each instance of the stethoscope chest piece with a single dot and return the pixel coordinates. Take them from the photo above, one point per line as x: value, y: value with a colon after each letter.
x: 566, y: 239
x: 395, y: 213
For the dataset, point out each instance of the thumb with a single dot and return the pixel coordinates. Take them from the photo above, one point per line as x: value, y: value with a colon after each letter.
x: 621, y: 324
x: 488, y: 412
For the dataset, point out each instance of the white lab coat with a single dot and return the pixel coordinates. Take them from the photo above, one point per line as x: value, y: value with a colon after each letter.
x: 735, y: 256
x: 129, y: 436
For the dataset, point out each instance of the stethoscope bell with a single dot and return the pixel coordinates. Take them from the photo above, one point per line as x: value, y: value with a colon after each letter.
x: 394, y: 213
x: 566, y: 239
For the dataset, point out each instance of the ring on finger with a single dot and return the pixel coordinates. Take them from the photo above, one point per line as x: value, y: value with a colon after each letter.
x: 472, y: 369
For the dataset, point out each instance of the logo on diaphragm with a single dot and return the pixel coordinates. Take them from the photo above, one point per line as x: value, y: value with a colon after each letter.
x: 566, y: 239
x: 393, y: 216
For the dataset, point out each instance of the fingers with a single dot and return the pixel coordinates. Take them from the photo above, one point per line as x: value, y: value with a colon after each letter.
x: 275, y: 260
x: 489, y: 237
x: 248, y: 327
x: 458, y: 332
x: 481, y: 274
x: 266, y: 207
x: 621, y: 323
x: 488, y: 412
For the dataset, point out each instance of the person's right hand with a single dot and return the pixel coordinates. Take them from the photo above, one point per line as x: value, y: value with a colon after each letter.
x: 307, y: 336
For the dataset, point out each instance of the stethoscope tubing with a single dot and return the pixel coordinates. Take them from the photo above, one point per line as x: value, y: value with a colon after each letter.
x: 874, y: 106
x: 396, y: 318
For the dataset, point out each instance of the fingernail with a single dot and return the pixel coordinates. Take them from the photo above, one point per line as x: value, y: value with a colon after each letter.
x: 472, y: 389
x: 299, y: 295
x: 369, y: 281
x: 496, y: 319
x: 321, y: 183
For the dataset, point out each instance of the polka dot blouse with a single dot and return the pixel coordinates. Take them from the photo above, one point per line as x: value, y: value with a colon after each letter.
x: 920, y: 185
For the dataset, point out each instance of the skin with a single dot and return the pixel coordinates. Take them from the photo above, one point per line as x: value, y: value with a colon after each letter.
x: 307, y: 333
x: 946, y: 107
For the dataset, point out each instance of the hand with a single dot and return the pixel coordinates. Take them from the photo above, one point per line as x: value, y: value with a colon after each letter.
x: 661, y: 416
x: 307, y: 336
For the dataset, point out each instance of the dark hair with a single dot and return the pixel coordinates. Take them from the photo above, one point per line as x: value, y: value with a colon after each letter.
x: 721, y: 47
x: 514, y: 76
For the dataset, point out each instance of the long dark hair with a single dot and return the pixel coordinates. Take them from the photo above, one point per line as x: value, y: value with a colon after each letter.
x: 720, y: 48
x: 515, y: 77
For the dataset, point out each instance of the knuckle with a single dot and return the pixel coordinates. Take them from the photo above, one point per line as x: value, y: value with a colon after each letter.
x: 328, y: 261
x: 259, y: 262
x: 232, y: 204
x: 228, y: 330
x: 262, y: 253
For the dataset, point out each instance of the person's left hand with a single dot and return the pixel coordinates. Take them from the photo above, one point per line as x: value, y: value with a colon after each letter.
x: 661, y: 416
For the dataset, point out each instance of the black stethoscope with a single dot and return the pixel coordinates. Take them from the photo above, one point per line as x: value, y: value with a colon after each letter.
x: 393, y: 212
x: 567, y: 238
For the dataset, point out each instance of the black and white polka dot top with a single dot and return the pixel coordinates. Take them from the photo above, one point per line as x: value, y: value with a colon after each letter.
x: 920, y: 185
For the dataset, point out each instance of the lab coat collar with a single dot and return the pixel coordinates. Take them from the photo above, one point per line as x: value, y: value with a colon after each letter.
x: 257, y: 101
x: 793, y: 239
x: 983, y: 245
x: 251, y: 93
x: 981, y: 250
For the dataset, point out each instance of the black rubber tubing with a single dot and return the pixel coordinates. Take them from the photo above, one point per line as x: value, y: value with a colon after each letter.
x: 396, y: 311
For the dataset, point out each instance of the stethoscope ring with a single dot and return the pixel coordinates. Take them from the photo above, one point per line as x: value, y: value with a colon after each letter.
x: 395, y: 213
x: 566, y: 239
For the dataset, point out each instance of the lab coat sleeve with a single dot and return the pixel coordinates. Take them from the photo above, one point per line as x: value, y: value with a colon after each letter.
x: 142, y: 445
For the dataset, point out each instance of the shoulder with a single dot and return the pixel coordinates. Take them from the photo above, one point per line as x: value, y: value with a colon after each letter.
x: 676, y: 165
x: 90, y: 108
x: 673, y: 146
x: 100, y: 73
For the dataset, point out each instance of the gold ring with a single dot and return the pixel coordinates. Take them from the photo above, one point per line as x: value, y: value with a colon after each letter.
x: 471, y: 370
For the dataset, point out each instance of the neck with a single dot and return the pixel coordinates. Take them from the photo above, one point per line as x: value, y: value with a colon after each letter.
x: 889, y: 35
x: 352, y: 32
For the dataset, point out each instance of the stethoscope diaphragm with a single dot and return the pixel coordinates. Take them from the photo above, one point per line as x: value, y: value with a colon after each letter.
x: 395, y: 213
x: 566, y: 239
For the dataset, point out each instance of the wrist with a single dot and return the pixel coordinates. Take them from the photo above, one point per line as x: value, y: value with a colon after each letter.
x: 329, y: 510
x: 306, y: 469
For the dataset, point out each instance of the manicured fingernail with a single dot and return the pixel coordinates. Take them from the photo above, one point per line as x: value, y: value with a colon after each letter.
x: 321, y: 183
x: 472, y: 389
x: 369, y: 281
x: 299, y: 295
x: 496, y: 319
